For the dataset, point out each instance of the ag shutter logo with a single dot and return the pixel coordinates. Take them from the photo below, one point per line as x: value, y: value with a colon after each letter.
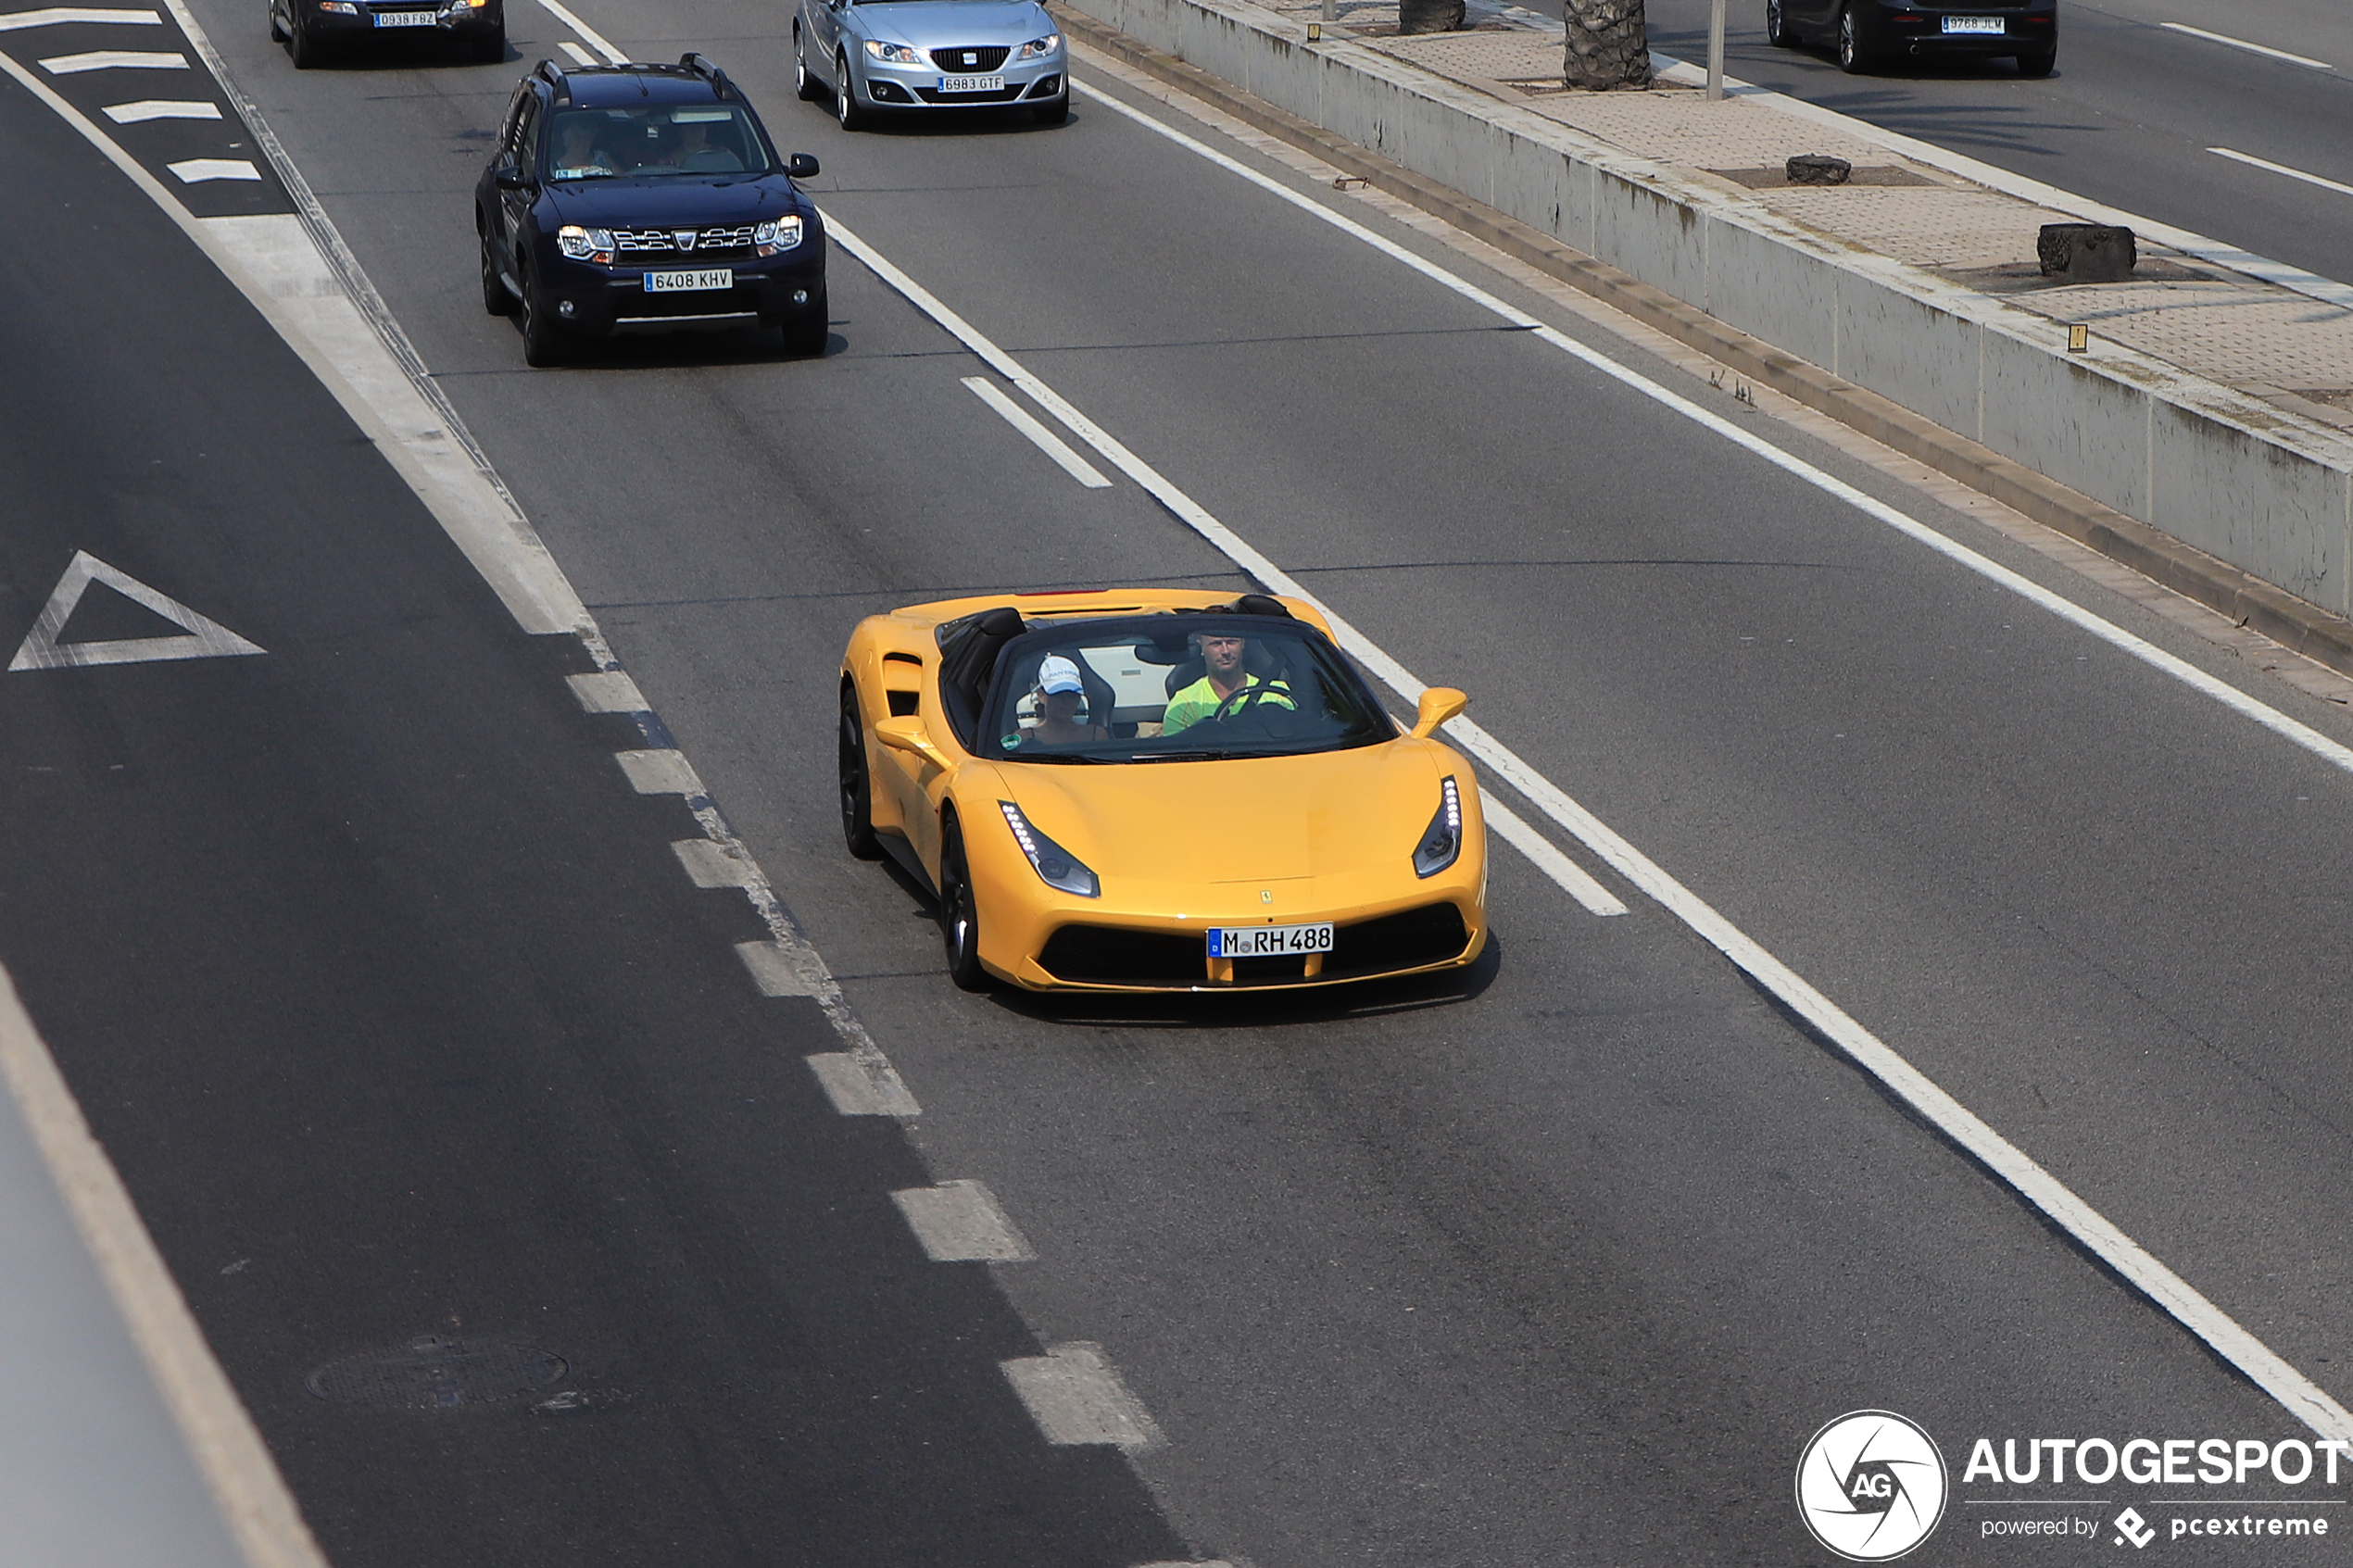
x: 1871, y: 1486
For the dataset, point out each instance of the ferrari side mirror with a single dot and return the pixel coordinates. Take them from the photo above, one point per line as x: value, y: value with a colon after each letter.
x: 906, y: 733
x: 1438, y: 704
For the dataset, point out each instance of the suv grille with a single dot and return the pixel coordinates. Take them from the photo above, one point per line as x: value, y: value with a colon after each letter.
x: 967, y: 58
x: 662, y: 241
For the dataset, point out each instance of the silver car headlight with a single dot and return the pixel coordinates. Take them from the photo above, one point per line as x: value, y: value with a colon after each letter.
x: 893, y: 54
x: 779, y: 233
x: 584, y: 245
x: 1056, y: 866
x: 1038, y: 48
x: 1442, y: 842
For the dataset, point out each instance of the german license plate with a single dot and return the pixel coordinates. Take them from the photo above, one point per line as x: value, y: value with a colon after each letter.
x: 972, y: 83
x: 404, y: 19
x: 1972, y: 24
x: 1268, y: 941
x: 679, y: 283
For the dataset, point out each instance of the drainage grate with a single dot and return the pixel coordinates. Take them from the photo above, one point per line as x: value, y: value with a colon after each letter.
x: 431, y: 1374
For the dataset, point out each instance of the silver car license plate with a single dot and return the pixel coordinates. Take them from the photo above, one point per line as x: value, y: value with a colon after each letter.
x: 1268, y: 941
x: 679, y: 283
x: 404, y: 19
x: 1972, y: 24
x: 972, y: 83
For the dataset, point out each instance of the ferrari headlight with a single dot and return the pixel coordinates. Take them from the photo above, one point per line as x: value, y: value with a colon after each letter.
x: 1038, y: 48
x: 781, y: 233
x: 1056, y: 866
x: 584, y: 245
x: 1442, y: 840
x: 894, y: 53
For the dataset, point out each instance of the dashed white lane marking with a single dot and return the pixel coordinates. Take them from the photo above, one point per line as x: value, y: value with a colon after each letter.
x: 784, y: 970
x: 112, y: 60
x: 856, y: 1090
x: 2266, y: 164
x: 1045, y: 440
x: 607, y: 691
x: 1076, y: 1398
x: 228, y: 1450
x: 54, y: 15
x: 163, y: 109
x: 206, y: 638
x: 596, y: 40
x: 714, y: 865
x: 580, y: 56
x: 1572, y: 877
x: 2304, y: 60
x: 2303, y: 1398
x: 960, y: 1222
x: 659, y: 772
x: 196, y: 170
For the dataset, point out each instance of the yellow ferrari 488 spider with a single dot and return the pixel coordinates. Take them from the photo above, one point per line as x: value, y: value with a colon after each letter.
x: 1156, y: 791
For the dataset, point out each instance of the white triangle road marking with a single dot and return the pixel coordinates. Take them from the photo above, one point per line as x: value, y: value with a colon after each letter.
x: 196, y: 169
x: 206, y: 638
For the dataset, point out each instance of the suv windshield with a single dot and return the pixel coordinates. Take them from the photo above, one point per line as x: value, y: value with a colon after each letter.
x: 1177, y: 688
x: 654, y: 140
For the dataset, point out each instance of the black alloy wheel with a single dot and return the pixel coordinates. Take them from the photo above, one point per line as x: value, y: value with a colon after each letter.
x: 846, y: 108
x: 1853, y: 58
x: 542, y: 342
x: 857, y: 785
x: 301, y: 48
x: 806, y: 87
x: 495, y: 296
x: 959, y: 913
x: 1778, y: 32
x: 2036, y: 64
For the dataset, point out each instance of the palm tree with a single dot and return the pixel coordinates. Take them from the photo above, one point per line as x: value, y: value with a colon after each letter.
x: 1609, y: 45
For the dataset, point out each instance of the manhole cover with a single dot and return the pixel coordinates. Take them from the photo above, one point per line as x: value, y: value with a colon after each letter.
x: 431, y: 1374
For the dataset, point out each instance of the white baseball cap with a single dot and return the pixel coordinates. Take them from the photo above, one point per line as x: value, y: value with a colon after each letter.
x: 1056, y: 673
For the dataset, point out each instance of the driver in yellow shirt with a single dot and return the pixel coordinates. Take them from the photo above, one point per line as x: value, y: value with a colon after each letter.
x: 1224, y: 657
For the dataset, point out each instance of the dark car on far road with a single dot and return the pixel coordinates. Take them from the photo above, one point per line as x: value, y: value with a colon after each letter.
x: 308, y: 28
x: 646, y: 198
x: 1868, y: 35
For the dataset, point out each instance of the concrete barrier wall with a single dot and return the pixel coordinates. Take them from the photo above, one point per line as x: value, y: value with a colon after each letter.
x: 2211, y: 466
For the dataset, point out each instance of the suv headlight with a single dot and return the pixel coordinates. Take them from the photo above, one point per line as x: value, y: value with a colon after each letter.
x: 584, y: 245
x: 1441, y: 842
x: 896, y: 53
x: 1056, y: 866
x: 1038, y: 48
x: 780, y: 233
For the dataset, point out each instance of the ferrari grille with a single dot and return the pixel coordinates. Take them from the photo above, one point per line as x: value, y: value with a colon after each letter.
x: 1105, y: 955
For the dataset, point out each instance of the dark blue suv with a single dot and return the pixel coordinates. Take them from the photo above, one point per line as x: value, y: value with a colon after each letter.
x: 640, y: 198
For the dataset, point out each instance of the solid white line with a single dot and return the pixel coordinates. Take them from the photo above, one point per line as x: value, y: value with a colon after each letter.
x: 1572, y: 877
x: 2281, y: 169
x: 2251, y: 48
x: 53, y: 15
x: 112, y: 60
x: 196, y: 170
x: 579, y: 55
x: 245, y: 1481
x: 162, y: 108
x: 1076, y: 1398
x: 1045, y: 440
x: 960, y: 1222
x: 596, y: 40
x: 2301, y: 1397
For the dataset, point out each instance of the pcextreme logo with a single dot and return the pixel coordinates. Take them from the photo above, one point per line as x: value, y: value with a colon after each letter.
x: 1871, y: 1486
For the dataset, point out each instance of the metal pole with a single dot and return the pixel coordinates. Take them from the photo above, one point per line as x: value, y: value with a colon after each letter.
x: 1332, y: 12
x: 1716, y: 51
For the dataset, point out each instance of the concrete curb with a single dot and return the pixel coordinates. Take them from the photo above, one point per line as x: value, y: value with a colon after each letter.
x: 2241, y: 595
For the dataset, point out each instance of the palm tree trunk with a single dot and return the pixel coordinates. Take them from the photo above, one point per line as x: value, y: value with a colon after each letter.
x: 1609, y: 45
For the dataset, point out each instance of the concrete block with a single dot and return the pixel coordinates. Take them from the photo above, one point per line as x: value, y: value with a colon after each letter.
x: 1907, y: 349
x: 1644, y: 231
x: 2257, y: 504
x: 1766, y: 286
x: 2063, y: 416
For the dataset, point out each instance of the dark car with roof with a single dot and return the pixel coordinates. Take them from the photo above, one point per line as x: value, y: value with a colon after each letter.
x: 310, y: 28
x: 646, y: 198
x: 1876, y: 34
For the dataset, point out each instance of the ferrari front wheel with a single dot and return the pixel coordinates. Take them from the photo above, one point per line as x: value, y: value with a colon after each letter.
x: 857, y: 786
x: 959, y: 913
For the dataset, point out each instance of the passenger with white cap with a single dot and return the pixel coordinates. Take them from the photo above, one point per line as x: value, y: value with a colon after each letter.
x: 1060, y: 694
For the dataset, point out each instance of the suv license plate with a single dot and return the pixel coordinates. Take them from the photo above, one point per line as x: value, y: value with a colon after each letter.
x: 679, y: 283
x: 971, y: 84
x: 1268, y: 941
x: 405, y: 19
x: 1972, y: 24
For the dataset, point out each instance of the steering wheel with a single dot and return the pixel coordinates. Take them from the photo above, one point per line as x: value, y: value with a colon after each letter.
x: 1247, y: 697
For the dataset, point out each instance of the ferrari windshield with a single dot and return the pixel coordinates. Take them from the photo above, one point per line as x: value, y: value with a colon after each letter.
x: 652, y: 141
x: 1169, y: 688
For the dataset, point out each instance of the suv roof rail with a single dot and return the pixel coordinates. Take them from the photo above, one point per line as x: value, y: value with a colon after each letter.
x: 553, y: 75
x: 702, y: 67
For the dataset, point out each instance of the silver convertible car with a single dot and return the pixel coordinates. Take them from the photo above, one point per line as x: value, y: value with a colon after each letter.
x: 916, y: 55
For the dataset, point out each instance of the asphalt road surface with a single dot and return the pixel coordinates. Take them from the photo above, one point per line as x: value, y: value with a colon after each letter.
x: 391, y: 1002
x: 2130, y: 118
